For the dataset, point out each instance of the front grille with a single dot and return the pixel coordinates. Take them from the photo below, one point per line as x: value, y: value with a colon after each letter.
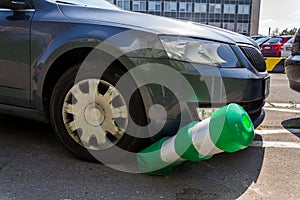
x: 255, y: 58
x: 253, y: 108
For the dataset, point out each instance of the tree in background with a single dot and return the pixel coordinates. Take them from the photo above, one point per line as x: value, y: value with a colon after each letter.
x: 284, y: 32
x: 289, y: 32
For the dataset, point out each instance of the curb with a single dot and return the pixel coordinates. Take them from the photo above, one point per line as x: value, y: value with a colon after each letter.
x: 275, y: 64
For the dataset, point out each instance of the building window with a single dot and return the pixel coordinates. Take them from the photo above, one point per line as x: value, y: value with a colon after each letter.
x: 124, y: 4
x: 242, y: 27
x: 185, y: 7
x: 139, y: 5
x: 216, y: 24
x: 244, y: 9
x: 228, y: 26
x: 120, y: 4
x: 229, y: 8
x: 200, y: 8
x: 154, y: 6
x: 170, y: 6
x: 136, y: 6
x: 110, y: 1
x: 214, y: 8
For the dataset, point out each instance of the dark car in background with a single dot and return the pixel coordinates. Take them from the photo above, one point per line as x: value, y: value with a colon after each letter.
x: 274, y: 46
x: 44, y: 43
x: 292, y: 64
x: 256, y: 37
x: 262, y: 40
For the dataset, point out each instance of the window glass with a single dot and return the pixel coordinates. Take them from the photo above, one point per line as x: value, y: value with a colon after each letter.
x: 142, y: 5
x: 185, y: 7
x: 244, y: 9
x: 228, y: 26
x: 154, y: 6
x: 229, y: 8
x: 214, y: 8
x: 216, y: 24
x: 126, y: 5
x: 200, y: 8
x: 139, y: 5
x: 173, y: 6
x: 167, y: 6
x: 290, y: 40
x: 120, y: 4
x: 136, y: 6
x: 242, y: 27
x: 275, y: 40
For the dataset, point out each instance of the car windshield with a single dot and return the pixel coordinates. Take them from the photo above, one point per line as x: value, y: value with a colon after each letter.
x: 290, y: 40
x: 103, y: 4
x: 275, y: 40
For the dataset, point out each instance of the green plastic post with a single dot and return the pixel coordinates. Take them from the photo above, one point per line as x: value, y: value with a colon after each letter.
x: 150, y: 162
x: 231, y: 128
x: 184, y: 144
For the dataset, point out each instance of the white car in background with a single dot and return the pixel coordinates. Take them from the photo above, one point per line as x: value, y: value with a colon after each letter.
x: 287, y: 48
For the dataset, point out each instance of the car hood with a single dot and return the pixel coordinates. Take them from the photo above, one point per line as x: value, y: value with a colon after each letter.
x: 157, y: 24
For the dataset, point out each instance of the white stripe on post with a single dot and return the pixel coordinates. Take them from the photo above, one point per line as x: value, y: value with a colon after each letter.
x: 202, y: 141
x: 168, y: 153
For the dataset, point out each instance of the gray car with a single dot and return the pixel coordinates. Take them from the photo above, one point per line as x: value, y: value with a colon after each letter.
x: 105, y: 77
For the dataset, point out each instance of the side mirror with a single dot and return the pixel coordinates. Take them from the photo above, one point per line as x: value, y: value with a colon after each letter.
x: 13, y: 5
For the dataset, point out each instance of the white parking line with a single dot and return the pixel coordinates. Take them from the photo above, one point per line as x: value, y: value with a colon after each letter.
x: 278, y: 131
x: 282, y: 110
x: 276, y: 144
x: 270, y: 144
x: 282, y: 105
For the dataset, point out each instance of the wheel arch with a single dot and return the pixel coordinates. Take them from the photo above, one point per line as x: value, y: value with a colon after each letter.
x: 65, y: 61
x: 59, y: 66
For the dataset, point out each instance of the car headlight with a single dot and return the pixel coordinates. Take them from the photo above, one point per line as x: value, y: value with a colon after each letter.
x: 199, y: 51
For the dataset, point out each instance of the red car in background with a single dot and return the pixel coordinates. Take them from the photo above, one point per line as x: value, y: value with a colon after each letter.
x: 274, y: 46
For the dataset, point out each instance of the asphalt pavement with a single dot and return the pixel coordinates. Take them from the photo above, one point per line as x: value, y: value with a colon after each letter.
x: 35, y: 165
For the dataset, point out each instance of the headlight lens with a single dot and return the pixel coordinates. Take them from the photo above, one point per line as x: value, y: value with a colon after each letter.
x: 199, y: 51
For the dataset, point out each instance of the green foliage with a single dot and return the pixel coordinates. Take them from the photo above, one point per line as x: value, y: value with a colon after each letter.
x: 284, y: 32
x: 289, y: 32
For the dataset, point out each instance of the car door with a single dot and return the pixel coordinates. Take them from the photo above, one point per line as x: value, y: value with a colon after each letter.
x: 15, y: 54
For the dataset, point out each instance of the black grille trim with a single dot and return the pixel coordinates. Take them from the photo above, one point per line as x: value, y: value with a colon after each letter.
x: 253, y: 108
x: 255, y: 58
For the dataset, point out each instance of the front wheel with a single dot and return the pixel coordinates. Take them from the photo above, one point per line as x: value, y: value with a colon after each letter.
x: 91, y: 115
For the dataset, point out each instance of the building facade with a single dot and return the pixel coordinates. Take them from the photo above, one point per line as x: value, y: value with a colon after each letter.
x: 235, y: 15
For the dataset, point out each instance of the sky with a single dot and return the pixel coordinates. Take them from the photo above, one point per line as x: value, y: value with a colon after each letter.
x: 279, y: 14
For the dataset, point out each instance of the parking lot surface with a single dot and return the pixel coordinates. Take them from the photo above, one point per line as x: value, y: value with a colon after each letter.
x: 34, y: 165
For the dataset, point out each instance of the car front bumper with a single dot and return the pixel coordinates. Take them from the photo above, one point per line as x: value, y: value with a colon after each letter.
x: 213, y: 88
x: 271, y: 53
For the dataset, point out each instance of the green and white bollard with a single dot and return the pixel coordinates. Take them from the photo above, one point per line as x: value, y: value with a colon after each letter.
x: 229, y: 129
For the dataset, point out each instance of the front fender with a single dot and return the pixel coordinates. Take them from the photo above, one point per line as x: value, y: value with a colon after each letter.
x: 50, y: 40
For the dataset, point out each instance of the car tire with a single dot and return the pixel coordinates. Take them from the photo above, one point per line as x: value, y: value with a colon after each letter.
x: 72, y: 139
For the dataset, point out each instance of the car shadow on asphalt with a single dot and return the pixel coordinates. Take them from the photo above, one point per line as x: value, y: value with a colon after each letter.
x: 37, y: 165
x: 225, y: 176
x: 291, y: 125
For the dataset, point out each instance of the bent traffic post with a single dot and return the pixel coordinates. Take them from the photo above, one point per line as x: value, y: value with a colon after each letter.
x: 228, y: 130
